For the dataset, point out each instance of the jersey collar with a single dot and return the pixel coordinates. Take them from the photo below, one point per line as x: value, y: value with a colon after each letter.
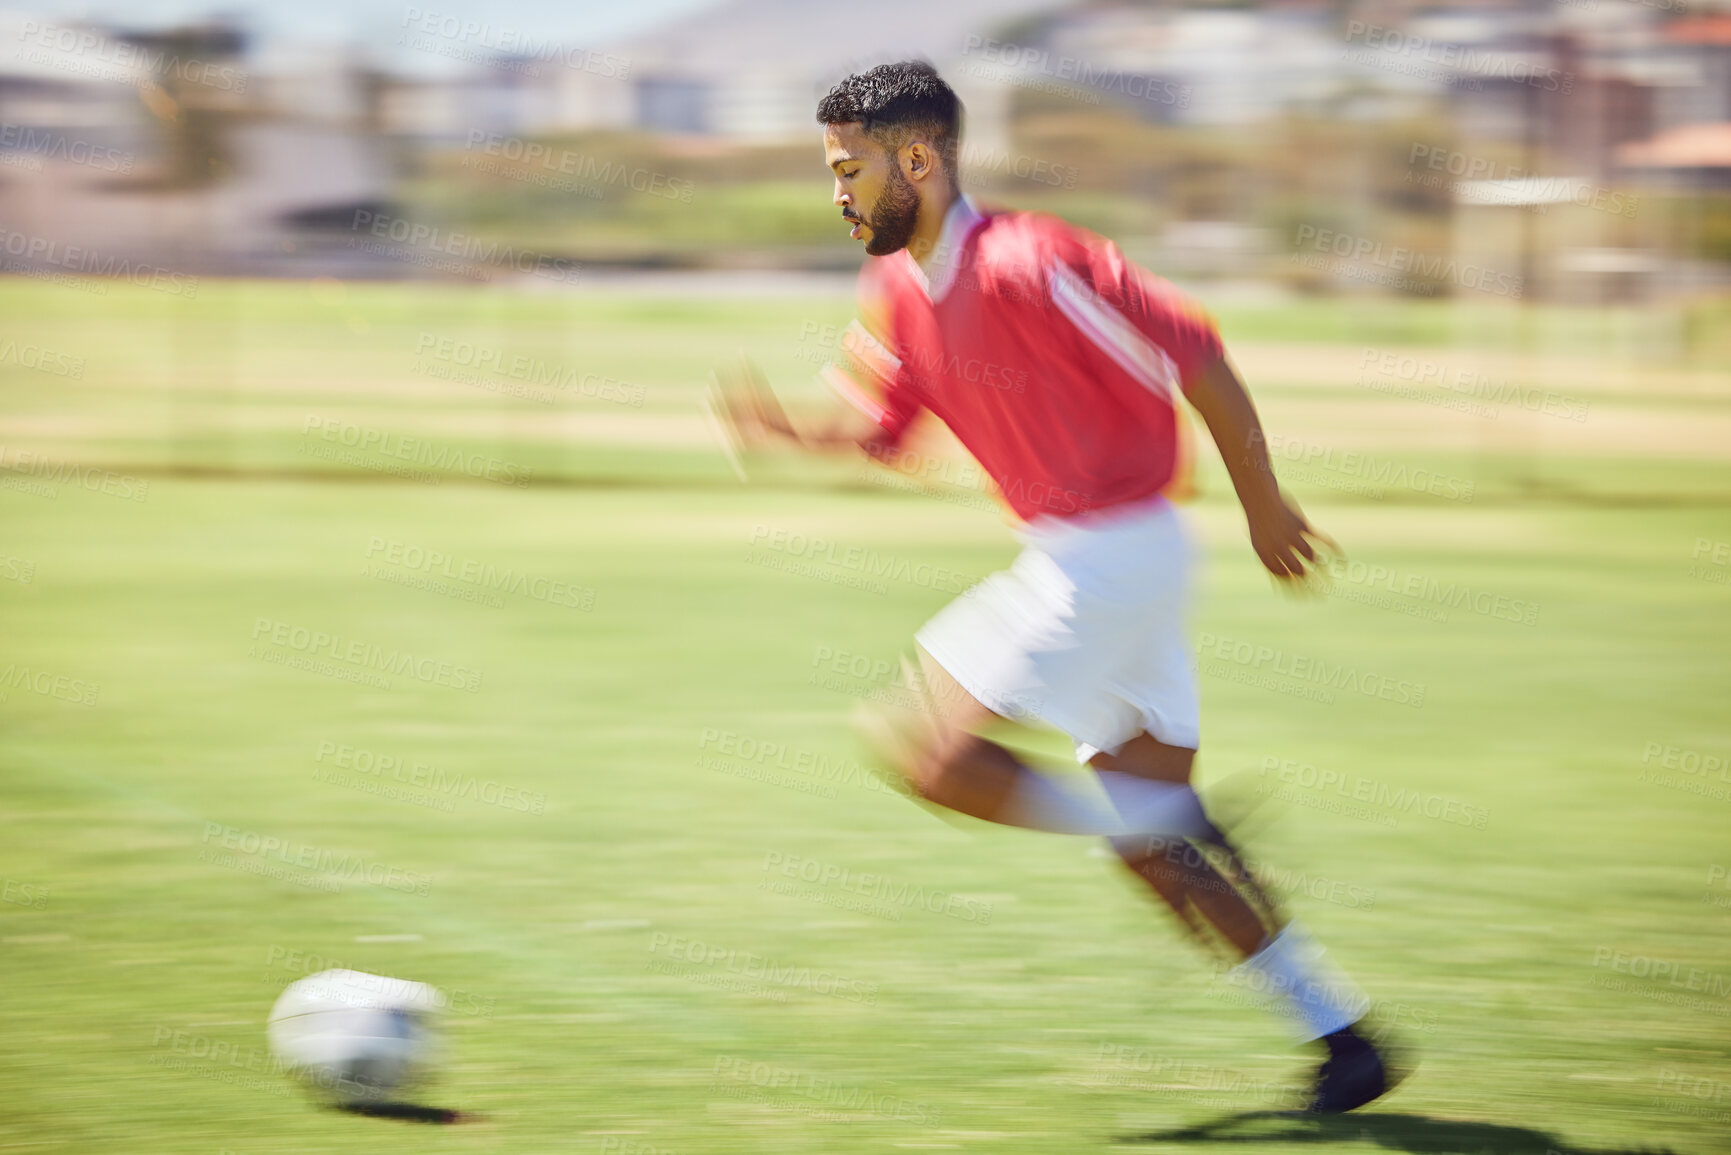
x: 938, y: 271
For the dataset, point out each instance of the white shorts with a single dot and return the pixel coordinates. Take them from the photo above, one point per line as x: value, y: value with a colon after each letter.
x: 1084, y: 632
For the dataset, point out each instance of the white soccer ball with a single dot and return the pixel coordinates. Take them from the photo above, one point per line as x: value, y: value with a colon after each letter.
x: 356, y: 1038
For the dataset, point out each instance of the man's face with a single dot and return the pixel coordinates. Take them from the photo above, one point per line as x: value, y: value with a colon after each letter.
x: 873, y: 192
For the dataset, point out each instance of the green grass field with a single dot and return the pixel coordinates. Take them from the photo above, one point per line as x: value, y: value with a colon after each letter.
x: 612, y: 805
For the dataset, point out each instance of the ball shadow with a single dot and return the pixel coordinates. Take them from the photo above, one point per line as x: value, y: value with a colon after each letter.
x: 410, y: 1113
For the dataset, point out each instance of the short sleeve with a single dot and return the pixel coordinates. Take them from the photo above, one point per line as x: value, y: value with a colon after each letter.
x: 871, y: 344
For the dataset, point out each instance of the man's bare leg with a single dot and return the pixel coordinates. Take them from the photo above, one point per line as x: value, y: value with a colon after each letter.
x: 946, y: 761
x: 944, y: 758
x: 1191, y: 876
x: 1179, y: 870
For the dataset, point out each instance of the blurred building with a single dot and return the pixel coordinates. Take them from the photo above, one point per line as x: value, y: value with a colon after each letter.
x: 213, y: 151
x: 752, y: 70
x: 178, y: 148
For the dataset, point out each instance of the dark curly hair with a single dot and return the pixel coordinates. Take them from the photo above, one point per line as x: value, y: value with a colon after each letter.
x: 894, y: 103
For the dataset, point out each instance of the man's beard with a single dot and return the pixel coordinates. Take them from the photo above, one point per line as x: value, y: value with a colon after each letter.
x: 894, y: 216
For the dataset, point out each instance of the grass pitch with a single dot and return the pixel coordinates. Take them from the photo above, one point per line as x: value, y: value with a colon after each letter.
x: 575, y: 751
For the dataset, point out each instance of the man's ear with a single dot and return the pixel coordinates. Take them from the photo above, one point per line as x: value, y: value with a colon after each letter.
x: 918, y: 160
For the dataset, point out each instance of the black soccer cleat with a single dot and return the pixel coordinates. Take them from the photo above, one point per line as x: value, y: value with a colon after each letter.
x: 1353, y: 1074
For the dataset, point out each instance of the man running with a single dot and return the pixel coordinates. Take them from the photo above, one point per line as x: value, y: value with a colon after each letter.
x: 1059, y: 365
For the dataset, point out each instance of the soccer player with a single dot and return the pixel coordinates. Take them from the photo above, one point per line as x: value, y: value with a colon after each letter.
x: 1059, y: 365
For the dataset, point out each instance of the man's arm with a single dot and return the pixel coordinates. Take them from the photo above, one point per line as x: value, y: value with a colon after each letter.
x: 1278, y: 531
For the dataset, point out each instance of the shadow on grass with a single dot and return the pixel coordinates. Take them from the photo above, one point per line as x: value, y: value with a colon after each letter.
x: 1396, y: 1132
x: 410, y: 1113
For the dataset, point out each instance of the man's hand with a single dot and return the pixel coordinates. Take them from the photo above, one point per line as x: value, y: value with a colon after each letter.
x: 755, y: 415
x: 1279, y: 533
x: 749, y: 405
x: 1282, y: 537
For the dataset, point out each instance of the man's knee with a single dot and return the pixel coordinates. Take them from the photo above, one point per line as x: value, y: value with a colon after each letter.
x: 1145, y: 756
x: 945, y: 763
x: 965, y: 772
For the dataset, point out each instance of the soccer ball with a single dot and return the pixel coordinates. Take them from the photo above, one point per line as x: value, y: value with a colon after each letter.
x: 356, y: 1038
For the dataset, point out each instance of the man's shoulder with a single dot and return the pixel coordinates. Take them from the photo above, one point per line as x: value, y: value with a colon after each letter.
x: 1009, y: 229
x: 1014, y: 245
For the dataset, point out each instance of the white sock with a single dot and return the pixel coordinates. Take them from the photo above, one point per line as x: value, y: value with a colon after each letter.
x: 1317, y: 992
x: 1132, y: 806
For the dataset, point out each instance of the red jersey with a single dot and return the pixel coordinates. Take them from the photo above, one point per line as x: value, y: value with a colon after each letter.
x: 1052, y: 358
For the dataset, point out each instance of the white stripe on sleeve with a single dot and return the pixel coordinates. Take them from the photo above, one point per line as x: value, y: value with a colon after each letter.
x: 1147, y: 362
x: 838, y: 380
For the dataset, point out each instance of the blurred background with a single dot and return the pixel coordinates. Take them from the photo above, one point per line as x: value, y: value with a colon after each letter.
x: 1552, y: 180
x: 1591, y: 137
x: 358, y: 498
x: 1200, y: 135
